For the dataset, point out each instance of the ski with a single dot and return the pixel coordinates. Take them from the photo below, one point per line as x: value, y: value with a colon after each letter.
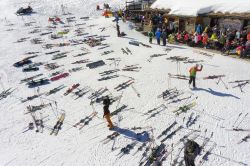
x: 38, y: 82
x: 6, y: 93
x: 239, y: 81
x: 81, y: 92
x: 213, y: 77
x: 128, y: 50
x: 118, y: 110
x: 144, y: 154
x: 124, y: 85
x: 32, y: 109
x: 184, y: 108
x: 171, y: 134
x: 107, y: 78
x: 107, y: 52
x: 52, y: 52
x: 157, y: 152
x: 189, y: 119
x: 167, y: 92
x: 55, y: 90
x: 30, y: 78
x: 208, y: 152
x: 75, y: 69
x: 108, y: 72
x: 127, y: 149
x: 110, y: 137
x: 144, y: 144
x: 69, y: 90
x: 59, y: 56
x: 243, y: 118
x: 56, y: 73
x: 97, y: 93
x: 244, y: 139
x: 164, y: 132
x: 60, y: 76
x: 124, y: 51
x: 162, y: 106
x: 81, y: 61
x: 100, y: 48
x: 31, y: 98
x: 86, y: 120
x: 58, y: 125
x: 177, y: 76
x: 238, y: 129
x: 81, y: 54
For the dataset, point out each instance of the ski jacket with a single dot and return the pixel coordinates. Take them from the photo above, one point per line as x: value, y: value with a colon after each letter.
x: 164, y: 35
x: 106, y: 110
x: 248, y: 36
x: 194, y: 70
x: 158, y: 34
x: 214, y: 37
x: 150, y: 34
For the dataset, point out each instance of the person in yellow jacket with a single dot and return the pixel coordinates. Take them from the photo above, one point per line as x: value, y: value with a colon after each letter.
x: 106, y: 115
x: 193, y: 70
x: 214, y: 37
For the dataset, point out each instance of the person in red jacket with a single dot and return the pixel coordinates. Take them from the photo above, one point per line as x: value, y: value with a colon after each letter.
x: 192, y: 71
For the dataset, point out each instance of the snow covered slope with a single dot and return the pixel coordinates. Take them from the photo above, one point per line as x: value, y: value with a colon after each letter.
x: 217, y: 108
x: 194, y: 7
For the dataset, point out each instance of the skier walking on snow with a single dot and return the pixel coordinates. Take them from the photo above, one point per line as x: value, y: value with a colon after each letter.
x: 106, y: 115
x: 192, y: 73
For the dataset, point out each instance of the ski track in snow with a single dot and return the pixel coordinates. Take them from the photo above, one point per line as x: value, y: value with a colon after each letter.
x: 84, y: 147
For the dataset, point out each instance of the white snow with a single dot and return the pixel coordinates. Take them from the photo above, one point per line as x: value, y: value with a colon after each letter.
x: 194, y: 7
x: 217, y: 106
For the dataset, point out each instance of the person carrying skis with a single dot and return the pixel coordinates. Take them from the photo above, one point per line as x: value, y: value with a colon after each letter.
x: 192, y: 149
x: 150, y: 35
x: 106, y: 112
x: 158, y: 36
x: 192, y: 73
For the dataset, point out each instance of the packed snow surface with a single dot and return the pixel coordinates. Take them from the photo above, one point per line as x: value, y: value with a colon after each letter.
x: 219, y: 107
x: 194, y: 7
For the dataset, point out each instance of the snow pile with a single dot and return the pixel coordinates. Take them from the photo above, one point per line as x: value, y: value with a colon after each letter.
x: 194, y: 7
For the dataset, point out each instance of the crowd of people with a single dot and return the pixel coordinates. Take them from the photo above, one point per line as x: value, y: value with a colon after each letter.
x: 226, y: 40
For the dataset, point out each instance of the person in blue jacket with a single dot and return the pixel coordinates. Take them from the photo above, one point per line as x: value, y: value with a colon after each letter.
x: 199, y: 29
x: 158, y: 36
